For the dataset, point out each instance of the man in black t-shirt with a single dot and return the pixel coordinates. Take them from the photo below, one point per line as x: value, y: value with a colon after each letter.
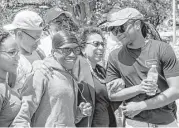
x: 132, y: 62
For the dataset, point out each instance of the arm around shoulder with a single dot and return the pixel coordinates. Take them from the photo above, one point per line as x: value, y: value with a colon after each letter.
x: 31, y: 97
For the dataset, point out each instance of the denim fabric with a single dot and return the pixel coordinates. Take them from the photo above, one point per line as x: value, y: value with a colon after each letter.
x: 135, y: 124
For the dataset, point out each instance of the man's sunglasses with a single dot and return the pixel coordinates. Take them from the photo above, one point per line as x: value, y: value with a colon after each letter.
x: 3, y: 36
x: 97, y: 43
x: 68, y: 51
x: 120, y: 29
x: 117, y: 29
x: 11, y: 53
x: 36, y: 39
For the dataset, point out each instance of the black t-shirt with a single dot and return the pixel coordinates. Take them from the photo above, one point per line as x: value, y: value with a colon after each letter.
x: 101, y: 116
x: 133, y: 65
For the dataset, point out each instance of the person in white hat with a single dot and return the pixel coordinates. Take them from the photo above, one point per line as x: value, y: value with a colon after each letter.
x: 27, y: 26
x: 132, y: 62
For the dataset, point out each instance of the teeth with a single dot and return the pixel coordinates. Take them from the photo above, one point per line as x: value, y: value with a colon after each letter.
x: 70, y: 60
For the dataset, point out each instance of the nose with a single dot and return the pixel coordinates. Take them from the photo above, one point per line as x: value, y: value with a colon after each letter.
x: 16, y: 57
x: 119, y: 34
x: 100, y: 47
x: 71, y: 54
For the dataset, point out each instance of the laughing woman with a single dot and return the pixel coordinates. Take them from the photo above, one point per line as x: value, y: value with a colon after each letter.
x: 50, y: 99
x: 92, y: 78
x: 9, y: 101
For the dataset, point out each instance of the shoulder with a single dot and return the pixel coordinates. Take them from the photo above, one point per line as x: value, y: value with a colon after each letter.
x: 159, y: 44
x: 24, y: 66
x: 113, y: 56
x: 39, y: 69
x: 116, y: 51
x: 82, y: 59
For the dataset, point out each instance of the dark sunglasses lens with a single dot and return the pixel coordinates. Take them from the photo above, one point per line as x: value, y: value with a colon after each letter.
x: 65, y: 51
x: 121, y: 29
x: 77, y: 50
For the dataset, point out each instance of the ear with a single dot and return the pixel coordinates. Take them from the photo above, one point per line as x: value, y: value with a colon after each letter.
x: 137, y: 24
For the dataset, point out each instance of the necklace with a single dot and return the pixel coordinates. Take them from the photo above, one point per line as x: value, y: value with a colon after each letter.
x: 93, y: 73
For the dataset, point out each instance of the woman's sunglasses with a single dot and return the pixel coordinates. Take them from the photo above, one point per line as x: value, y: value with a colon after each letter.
x: 68, y: 51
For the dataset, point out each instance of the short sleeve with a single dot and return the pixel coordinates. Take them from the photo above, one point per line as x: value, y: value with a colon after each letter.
x: 170, y: 64
x: 111, y: 71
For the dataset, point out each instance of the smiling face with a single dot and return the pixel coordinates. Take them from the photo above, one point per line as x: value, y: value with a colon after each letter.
x: 9, y: 55
x: 94, y: 48
x: 67, y: 55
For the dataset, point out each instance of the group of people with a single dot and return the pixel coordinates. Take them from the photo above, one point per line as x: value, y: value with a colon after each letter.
x: 60, y: 83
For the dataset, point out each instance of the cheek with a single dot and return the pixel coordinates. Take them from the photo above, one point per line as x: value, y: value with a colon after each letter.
x: 5, y: 61
x: 132, y: 34
x: 89, y: 51
x: 59, y: 57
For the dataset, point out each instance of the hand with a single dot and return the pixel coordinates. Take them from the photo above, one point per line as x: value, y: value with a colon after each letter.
x: 85, y: 108
x: 39, y: 65
x: 131, y: 109
x: 115, y: 85
x: 147, y: 86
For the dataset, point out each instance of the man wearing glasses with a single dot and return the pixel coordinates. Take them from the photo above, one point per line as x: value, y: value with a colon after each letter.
x: 132, y: 62
x: 27, y: 26
x: 56, y: 20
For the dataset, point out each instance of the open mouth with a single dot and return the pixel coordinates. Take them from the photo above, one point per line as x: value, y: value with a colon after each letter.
x: 99, y: 53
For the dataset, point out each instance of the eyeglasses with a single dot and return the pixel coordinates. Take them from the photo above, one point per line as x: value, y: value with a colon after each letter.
x: 97, y: 43
x: 11, y: 53
x: 36, y: 40
x: 120, y: 29
x: 3, y: 36
x: 67, y: 51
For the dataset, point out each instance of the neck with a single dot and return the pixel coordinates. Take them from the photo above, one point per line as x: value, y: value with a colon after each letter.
x: 138, y: 43
x: 3, y: 75
x: 93, y: 64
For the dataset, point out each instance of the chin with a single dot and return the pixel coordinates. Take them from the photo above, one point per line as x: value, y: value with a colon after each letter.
x: 25, y: 52
x: 69, y: 66
x: 98, y: 59
x: 13, y: 70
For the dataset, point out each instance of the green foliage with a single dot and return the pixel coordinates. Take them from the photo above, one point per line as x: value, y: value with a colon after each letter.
x: 87, y: 12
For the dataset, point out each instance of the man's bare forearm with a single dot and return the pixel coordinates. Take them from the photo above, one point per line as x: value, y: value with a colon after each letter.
x: 125, y: 94
x: 160, y: 100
